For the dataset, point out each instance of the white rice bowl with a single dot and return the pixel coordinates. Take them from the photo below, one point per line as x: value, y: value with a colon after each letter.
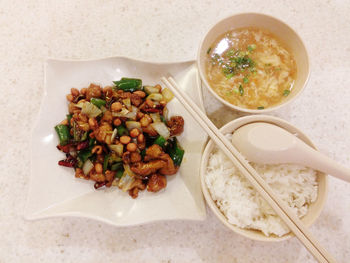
x: 244, y: 207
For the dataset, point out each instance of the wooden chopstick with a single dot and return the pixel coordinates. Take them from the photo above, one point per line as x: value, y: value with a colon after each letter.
x: 278, y: 205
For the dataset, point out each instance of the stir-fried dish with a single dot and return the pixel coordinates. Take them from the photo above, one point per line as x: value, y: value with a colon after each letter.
x: 121, y: 136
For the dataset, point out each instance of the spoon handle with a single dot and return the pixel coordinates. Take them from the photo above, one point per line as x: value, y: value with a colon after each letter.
x: 321, y: 162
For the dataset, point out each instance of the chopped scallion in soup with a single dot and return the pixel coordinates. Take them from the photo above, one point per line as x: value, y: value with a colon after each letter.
x: 250, y: 68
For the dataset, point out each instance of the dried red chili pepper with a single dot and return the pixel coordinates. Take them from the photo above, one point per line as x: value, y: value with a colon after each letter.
x: 82, y: 145
x: 70, y: 161
x: 153, y: 110
x: 99, y: 185
x: 64, y: 148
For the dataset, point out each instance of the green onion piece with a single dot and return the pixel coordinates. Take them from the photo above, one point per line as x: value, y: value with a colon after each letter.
x: 63, y: 134
x: 69, y: 117
x: 175, y: 152
x: 160, y: 141
x: 93, y: 158
x: 114, y: 158
x: 250, y: 62
x: 83, y: 155
x: 84, y: 137
x: 98, y: 102
x: 245, y: 80
x: 260, y: 108
x: 251, y: 47
x: 177, y: 156
x: 286, y: 92
x: 228, y: 76
x: 78, y: 135
x: 162, y: 118
x: 119, y: 174
x: 241, y: 90
x: 105, y: 163
x: 208, y: 51
x: 79, y: 164
x: 230, y: 53
x: 226, y: 70
x: 122, y: 130
x: 91, y: 142
x: 215, y: 58
x: 129, y: 84
x: 116, y: 166
x: 150, y: 89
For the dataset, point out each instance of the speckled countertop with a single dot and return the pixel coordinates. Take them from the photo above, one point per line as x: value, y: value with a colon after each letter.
x: 32, y: 30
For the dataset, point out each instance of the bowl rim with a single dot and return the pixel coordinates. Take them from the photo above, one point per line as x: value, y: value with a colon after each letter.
x: 237, y: 108
x: 214, y: 208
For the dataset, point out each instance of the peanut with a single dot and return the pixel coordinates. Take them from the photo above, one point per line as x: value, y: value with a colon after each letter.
x: 116, y: 106
x: 117, y: 122
x: 134, y: 132
x: 97, y: 149
x: 131, y: 147
x: 125, y: 139
x: 140, y: 138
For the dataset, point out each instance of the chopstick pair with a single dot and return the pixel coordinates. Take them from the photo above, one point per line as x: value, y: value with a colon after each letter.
x: 277, y: 204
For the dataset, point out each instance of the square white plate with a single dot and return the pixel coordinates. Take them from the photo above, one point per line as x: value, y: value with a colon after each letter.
x: 54, y: 191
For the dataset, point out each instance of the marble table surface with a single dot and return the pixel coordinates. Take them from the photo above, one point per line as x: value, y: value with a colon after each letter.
x: 33, y: 30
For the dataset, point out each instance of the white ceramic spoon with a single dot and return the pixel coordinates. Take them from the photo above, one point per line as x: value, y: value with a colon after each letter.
x: 262, y: 142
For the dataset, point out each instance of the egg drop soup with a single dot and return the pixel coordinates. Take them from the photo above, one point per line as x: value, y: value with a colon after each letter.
x: 250, y: 68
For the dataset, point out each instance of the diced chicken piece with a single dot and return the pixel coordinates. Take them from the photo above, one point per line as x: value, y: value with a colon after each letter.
x: 107, y: 117
x: 136, y: 186
x: 97, y: 177
x: 176, y: 125
x: 156, y: 183
x: 153, y: 152
x: 145, y: 169
x: 93, y: 91
x: 102, y: 131
x: 109, y: 177
x: 135, y: 99
x: 169, y: 168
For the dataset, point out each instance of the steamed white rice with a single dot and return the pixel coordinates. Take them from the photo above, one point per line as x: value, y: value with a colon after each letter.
x: 244, y: 207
